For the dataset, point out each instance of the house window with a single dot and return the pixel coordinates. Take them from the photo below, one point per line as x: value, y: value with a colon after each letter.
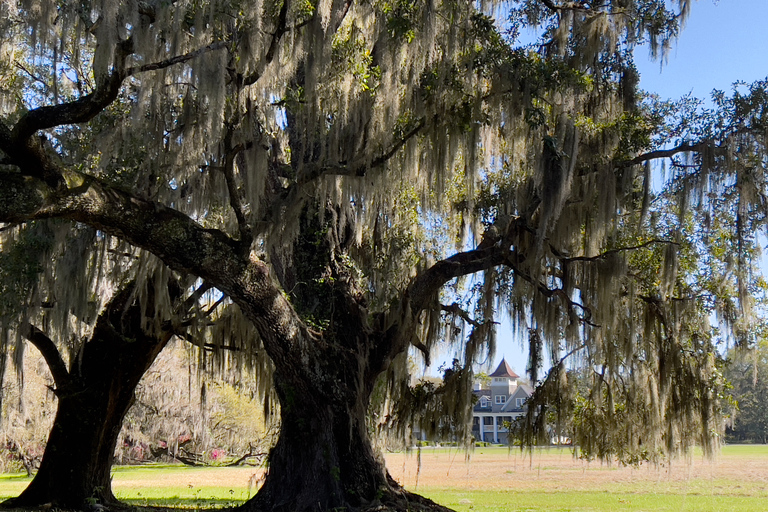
x: 500, y: 399
x: 483, y: 402
x: 519, y: 402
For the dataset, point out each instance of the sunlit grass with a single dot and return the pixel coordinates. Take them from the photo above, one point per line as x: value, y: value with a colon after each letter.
x: 590, y: 501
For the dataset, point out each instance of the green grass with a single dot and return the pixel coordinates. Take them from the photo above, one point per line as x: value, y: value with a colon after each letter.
x: 590, y: 501
x: 155, y: 487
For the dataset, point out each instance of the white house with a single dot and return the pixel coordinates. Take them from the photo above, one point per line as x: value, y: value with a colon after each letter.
x: 501, y: 403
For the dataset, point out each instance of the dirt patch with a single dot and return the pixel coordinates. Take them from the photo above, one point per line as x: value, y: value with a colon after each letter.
x: 501, y: 469
x: 557, y: 469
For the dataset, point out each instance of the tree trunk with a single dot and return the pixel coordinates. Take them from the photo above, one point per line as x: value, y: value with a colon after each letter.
x: 93, y: 401
x: 324, y: 458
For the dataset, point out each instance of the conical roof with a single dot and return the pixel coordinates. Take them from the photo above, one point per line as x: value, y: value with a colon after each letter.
x: 504, y: 370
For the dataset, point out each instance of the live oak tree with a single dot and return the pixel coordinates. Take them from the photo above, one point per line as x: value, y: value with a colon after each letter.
x: 93, y: 394
x: 57, y: 285
x: 360, y: 178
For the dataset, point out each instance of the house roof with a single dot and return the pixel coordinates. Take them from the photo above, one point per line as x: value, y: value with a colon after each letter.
x: 504, y: 370
x: 522, y: 391
x: 480, y: 394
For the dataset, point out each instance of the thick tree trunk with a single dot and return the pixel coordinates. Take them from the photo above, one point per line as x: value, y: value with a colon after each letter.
x: 99, y: 390
x: 324, y: 459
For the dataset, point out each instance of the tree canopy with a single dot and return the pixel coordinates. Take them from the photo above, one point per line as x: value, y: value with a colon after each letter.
x: 363, y: 179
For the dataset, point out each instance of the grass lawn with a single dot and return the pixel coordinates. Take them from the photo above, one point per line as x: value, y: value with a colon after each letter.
x: 491, y: 479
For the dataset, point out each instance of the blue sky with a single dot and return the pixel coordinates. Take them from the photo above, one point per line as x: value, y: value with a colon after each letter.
x: 722, y: 42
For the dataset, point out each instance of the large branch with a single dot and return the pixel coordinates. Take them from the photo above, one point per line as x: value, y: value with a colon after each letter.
x: 685, y: 147
x: 425, y: 285
x: 50, y: 353
x: 179, y: 241
x: 27, y: 152
x: 493, y: 250
x: 78, y: 111
x: 237, y: 198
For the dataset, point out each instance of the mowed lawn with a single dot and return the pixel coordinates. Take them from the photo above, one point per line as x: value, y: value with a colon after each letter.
x: 492, y: 479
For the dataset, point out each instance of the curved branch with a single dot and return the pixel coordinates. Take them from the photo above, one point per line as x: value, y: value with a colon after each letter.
x: 610, y: 252
x: 461, y: 313
x: 50, y: 353
x: 427, y: 283
x: 175, y: 238
x: 277, y: 35
x: 78, y: 111
x: 362, y: 166
x: 236, y: 196
x: 685, y: 147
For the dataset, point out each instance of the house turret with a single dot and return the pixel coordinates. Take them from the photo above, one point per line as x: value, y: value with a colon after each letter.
x: 503, y: 383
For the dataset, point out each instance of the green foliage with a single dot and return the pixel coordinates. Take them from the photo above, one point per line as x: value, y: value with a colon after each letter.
x: 351, y: 55
x: 401, y: 18
x: 313, y: 290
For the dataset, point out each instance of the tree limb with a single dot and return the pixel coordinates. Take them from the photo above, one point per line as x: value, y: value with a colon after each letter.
x: 610, y: 252
x: 245, y: 456
x: 236, y: 197
x: 428, y: 282
x: 182, y: 244
x: 50, y: 353
x: 579, y: 6
x: 685, y: 147
x: 270, y: 55
x: 455, y: 309
x: 361, y: 167
x: 178, y: 59
x: 190, y: 301
x: 78, y: 111
x: 553, y: 292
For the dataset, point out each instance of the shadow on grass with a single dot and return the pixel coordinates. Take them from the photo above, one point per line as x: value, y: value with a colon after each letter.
x: 15, y: 477
x: 182, y: 503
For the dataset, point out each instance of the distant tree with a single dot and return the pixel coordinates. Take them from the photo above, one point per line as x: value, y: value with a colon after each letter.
x: 483, y: 379
x: 182, y: 397
x: 363, y: 178
x: 747, y: 371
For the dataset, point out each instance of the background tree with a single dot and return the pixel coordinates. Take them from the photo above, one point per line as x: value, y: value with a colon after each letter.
x: 214, y: 417
x: 339, y: 169
x: 746, y: 373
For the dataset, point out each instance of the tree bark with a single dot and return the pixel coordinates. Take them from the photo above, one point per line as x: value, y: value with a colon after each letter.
x: 93, y: 399
x: 324, y: 458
